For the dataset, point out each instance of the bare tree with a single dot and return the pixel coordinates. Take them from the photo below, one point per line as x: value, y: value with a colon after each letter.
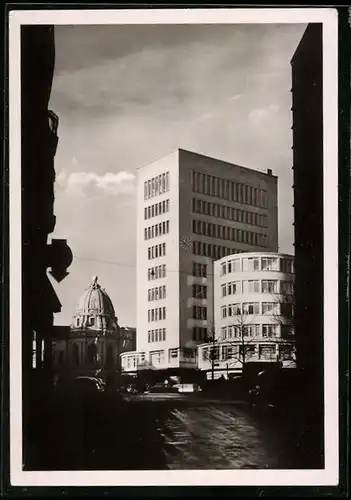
x: 284, y: 315
x: 240, y: 346
x: 244, y: 335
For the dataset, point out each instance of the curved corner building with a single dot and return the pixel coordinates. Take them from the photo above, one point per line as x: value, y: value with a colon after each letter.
x: 191, y: 210
x: 253, y: 312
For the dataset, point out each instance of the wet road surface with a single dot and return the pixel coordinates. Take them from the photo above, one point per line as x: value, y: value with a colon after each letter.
x: 167, y: 432
x: 200, y: 433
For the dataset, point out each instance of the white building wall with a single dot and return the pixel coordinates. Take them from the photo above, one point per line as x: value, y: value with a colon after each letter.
x: 171, y: 260
x: 239, y: 275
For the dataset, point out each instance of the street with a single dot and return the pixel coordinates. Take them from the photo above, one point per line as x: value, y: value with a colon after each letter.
x: 161, y: 432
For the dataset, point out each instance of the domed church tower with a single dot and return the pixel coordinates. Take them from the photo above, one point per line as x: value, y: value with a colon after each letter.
x: 95, y: 341
x: 95, y: 311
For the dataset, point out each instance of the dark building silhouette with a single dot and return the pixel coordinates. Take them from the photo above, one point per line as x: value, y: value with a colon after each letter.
x: 307, y: 114
x: 39, y: 301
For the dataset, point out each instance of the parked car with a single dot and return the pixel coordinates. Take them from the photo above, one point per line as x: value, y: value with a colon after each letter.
x: 162, y: 388
x: 88, y: 385
x: 186, y: 388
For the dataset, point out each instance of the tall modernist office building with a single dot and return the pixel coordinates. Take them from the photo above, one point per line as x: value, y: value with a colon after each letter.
x: 192, y: 210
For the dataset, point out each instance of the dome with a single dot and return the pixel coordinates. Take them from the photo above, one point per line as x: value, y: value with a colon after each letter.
x: 95, y: 309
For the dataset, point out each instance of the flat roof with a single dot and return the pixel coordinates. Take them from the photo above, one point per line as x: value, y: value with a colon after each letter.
x: 200, y: 155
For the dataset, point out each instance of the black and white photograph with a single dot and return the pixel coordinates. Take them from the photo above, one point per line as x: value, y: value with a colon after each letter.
x: 173, y: 247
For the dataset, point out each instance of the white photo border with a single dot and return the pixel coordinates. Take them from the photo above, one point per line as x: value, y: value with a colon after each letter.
x: 328, y: 476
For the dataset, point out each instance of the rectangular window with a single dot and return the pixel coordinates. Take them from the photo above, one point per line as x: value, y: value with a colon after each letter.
x: 145, y: 191
x: 223, y: 268
x: 251, y: 264
x: 286, y: 266
x: 149, y: 189
x: 251, y: 308
x: 269, y: 286
x: 233, y: 287
x: 251, y: 286
x: 269, y: 264
x: 269, y: 330
x: 200, y: 291
x: 199, y: 312
x: 269, y: 308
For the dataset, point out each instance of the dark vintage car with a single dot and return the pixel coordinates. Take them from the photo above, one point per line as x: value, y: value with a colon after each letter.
x: 162, y: 388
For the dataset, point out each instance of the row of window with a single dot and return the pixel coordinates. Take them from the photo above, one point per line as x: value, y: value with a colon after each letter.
x: 269, y: 308
x: 157, y: 314
x: 210, y: 250
x: 156, y: 293
x: 157, y: 357
x: 225, y: 212
x: 229, y: 190
x: 199, y: 312
x: 281, y: 264
x: 199, y: 270
x: 156, y: 230
x: 229, y: 352
x: 156, y: 251
x: 229, y: 233
x: 239, y: 332
x: 257, y: 286
x: 200, y: 291
x: 158, y: 335
x: 156, y: 186
x: 156, y: 209
x: 157, y: 272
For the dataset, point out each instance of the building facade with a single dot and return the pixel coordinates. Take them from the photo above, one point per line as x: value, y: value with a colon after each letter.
x: 95, y: 340
x: 192, y: 210
x: 307, y: 115
x: 307, y: 128
x: 254, y: 312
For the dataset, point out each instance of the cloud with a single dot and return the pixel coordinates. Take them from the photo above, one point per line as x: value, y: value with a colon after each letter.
x: 80, y: 183
x: 259, y: 115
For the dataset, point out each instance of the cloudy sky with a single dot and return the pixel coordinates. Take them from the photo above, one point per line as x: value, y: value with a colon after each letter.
x: 126, y: 95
